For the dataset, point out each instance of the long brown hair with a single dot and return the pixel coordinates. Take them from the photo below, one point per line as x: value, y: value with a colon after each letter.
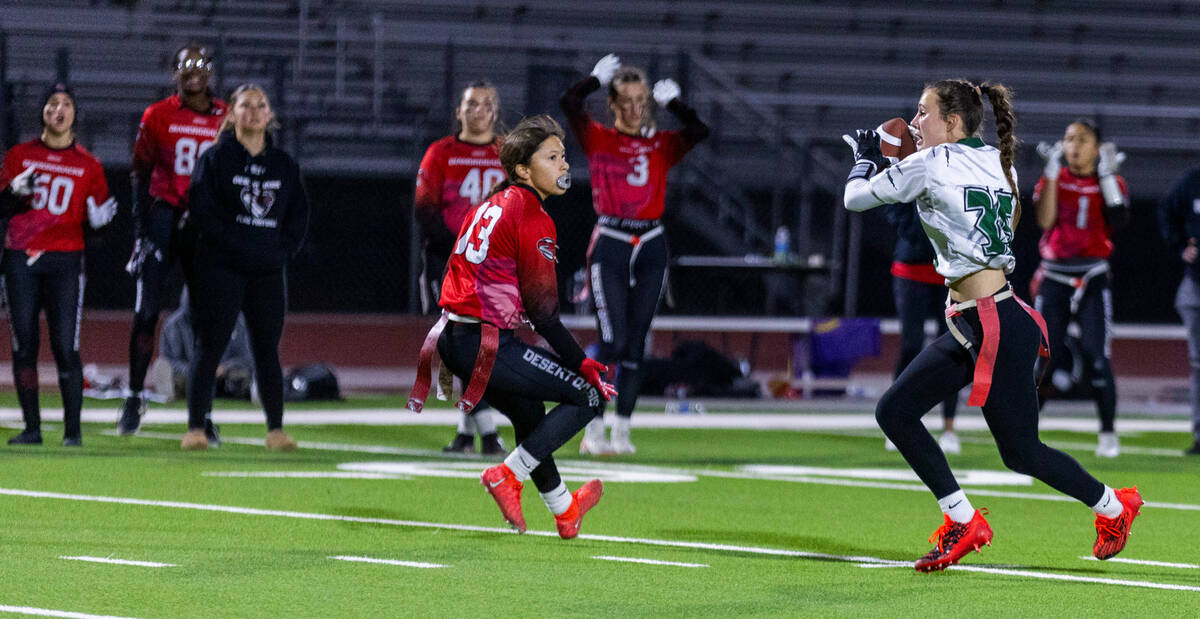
x: 227, y: 122
x: 521, y: 143
x: 959, y: 96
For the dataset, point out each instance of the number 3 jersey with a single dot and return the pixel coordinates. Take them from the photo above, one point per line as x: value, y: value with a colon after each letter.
x: 964, y: 202
x: 66, y: 179
x: 454, y: 176
x: 170, y: 140
x: 1080, y: 229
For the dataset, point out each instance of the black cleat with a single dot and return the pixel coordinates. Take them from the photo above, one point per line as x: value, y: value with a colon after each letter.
x: 72, y: 441
x: 28, y: 437
x: 1194, y: 451
x: 492, y: 445
x: 131, y: 415
x: 212, y: 432
x: 462, y: 443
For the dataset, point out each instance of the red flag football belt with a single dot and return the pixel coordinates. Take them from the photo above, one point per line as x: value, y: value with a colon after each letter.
x: 989, y: 319
x: 489, y: 341
x: 1079, y: 283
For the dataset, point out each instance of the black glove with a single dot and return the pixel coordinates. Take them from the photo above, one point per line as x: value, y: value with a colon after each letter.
x: 868, y: 159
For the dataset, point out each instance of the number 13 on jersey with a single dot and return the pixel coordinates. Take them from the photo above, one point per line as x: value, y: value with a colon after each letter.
x: 473, y: 243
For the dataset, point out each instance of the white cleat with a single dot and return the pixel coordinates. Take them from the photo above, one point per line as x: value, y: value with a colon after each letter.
x: 621, y: 444
x: 596, y: 446
x: 1108, y: 445
x: 949, y: 443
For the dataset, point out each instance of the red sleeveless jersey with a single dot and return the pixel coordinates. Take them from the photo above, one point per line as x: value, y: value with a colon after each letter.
x: 629, y: 173
x: 455, y: 176
x: 170, y: 140
x: 1079, y: 230
x: 67, y: 177
x: 503, y: 261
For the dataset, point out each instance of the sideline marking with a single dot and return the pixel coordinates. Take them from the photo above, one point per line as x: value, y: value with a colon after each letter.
x: 417, y: 564
x: 46, y: 612
x: 1184, y: 566
x: 648, y: 561
x: 118, y: 561
x: 758, y: 550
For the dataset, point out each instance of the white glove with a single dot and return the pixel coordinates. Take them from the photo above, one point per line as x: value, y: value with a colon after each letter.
x: 22, y: 184
x: 100, y: 214
x: 1053, y: 157
x: 665, y: 91
x: 1110, y: 159
x: 605, y: 68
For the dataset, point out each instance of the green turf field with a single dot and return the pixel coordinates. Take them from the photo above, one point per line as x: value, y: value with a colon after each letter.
x: 742, y: 532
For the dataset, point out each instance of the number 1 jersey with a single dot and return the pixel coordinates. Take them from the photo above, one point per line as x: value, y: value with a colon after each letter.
x: 170, y: 139
x: 503, y: 262
x: 66, y: 178
x: 1079, y: 230
x: 454, y: 176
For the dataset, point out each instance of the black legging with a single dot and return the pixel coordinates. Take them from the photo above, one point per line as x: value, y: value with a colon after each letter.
x: 218, y: 292
x: 1011, y: 410
x: 54, y: 281
x: 1095, y: 319
x: 623, y: 311
x: 916, y: 301
x: 173, y: 244
x: 523, y: 379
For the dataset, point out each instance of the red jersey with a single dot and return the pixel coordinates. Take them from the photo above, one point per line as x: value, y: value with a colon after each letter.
x: 170, y: 140
x: 629, y: 173
x: 66, y: 178
x: 504, y: 261
x: 1079, y: 230
x: 455, y: 176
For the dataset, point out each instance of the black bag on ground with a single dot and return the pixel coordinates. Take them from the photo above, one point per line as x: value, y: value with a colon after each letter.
x: 311, y: 382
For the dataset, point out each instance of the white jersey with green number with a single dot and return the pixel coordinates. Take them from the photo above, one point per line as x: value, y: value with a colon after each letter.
x: 964, y: 201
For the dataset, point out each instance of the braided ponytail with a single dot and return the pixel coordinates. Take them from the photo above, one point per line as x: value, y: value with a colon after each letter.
x: 1006, y: 121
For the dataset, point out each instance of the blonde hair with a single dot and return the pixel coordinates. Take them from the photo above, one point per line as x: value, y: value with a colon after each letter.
x: 227, y: 123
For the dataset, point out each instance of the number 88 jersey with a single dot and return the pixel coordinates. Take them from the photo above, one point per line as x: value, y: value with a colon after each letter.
x: 66, y: 179
x: 170, y: 140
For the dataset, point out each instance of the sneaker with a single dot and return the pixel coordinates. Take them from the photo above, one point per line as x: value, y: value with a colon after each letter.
x: 954, y: 540
x: 500, y: 482
x: 278, y: 440
x: 620, y: 439
x: 492, y: 445
x: 1194, y: 451
x: 1112, y: 533
x: 194, y: 440
x: 582, y: 500
x: 28, y: 437
x: 1107, y: 445
x: 949, y: 443
x: 888, y: 445
x: 594, y: 442
x: 131, y: 415
x: 462, y: 444
x: 212, y: 432
x: 72, y: 441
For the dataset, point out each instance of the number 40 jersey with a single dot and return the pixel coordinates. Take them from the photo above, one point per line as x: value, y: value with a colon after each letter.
x: 170, y: 139
x: 66, y: 179
x: 454, y: 176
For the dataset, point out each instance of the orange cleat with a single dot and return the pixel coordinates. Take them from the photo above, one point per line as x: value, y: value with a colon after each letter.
x: 582, y: 500
x: 500, y: 482
x: 954, y: 540
x: 1112, y: 533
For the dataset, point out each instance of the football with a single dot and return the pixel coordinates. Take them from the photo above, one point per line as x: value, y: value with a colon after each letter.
x: 895, y: 140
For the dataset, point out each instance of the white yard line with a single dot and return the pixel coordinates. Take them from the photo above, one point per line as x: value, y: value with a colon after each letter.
x: 648, y: 561
x: 46, y: 612
x: 416, y: 564
x: 1182, y: 566
x: 118, y: 561
x: 731, y: 548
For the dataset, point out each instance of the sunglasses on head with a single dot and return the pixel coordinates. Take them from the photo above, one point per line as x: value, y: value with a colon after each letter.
x: 194, y: 64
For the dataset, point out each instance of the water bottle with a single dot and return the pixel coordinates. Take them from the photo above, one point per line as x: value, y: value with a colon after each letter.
x: 783, y: 244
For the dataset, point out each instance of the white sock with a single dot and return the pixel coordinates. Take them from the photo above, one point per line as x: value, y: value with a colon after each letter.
x: 1109, y: 505
x: 558, y: 500
x: 621, y: 427
x: 485, y: 420
x: 521, y: 463
x: 957, y: 506
x: 466, y: 425
x: 594, y: 429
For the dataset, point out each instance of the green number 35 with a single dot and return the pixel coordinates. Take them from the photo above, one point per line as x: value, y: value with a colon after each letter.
x: 993, y: 210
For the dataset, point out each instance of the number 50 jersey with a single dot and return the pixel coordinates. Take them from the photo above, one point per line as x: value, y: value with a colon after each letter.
x: 964, y: 202
x: 503, y: 262
x: 170, y: 140
x: 66, y: 179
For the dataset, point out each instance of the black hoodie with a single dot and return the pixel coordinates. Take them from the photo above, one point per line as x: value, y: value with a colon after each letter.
x: 251, y: 209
